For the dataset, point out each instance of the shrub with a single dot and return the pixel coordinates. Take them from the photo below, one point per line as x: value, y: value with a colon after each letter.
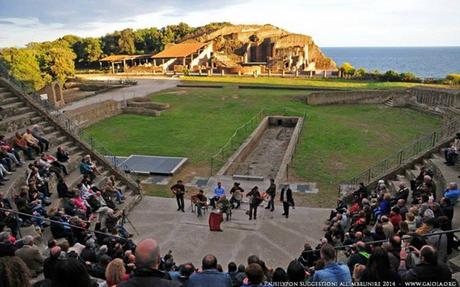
x: 453, y: 79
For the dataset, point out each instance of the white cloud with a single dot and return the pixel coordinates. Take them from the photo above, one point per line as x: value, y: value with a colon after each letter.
x: 330, y: 22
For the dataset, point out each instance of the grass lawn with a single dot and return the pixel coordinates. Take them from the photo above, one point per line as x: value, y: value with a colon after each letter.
x: 337, y: 142
x: 324, y: 83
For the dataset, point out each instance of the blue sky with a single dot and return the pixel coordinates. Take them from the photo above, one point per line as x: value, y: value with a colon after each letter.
x: 330, y: 22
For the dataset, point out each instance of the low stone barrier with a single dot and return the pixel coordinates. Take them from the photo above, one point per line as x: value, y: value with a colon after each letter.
x: 141, y: 111
x: 148, y: 105
x: 399, y: 96
x: 91, y: 114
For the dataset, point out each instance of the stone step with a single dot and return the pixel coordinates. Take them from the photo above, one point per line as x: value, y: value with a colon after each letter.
x: 19, y: 117
x: 11, y: 104
x: 9, y: 100
x: 6, y: 95
x: 41, y: 123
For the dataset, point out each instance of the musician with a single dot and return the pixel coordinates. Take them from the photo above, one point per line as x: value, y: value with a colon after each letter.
x: 287, y: 200
x: 236, y: 195
x: 271, y: 191
x: 179, y: 190
x: 223, y: 204
x: 218, y: 192
x: 199, y: 200
x: 254, y: 201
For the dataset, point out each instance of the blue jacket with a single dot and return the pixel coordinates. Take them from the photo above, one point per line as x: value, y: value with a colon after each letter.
x: 209, y: 278
x: 452, y: 195
x: 333, y: 272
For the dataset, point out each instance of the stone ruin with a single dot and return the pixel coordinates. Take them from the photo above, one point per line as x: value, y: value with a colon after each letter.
x: 238, y: 48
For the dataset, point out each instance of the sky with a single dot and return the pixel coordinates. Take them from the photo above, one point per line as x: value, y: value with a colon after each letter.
x: 331, y: 23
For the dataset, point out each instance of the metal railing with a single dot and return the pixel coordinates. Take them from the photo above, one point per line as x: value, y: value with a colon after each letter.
x: 407, y: 154
x: 235, y: 140
x: 67, y: 123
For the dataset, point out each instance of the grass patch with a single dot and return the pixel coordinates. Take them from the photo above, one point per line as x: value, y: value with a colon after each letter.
x: 320, y: 83
x: 337, y: 142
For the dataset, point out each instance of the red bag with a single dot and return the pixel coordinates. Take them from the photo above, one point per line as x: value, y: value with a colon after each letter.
x: 215, y: 219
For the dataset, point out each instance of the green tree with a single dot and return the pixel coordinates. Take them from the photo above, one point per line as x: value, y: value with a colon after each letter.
x: 360, y: 73
x: 126, y: 42
x: 391, y: 76
x: 148, y: 40
x: 409, y: 77
x: 71, y: 39
x: 92, y: 50
x: 56, y: 59
x: 347, y: 69
x: 23, y: 65
x: 110, y: 43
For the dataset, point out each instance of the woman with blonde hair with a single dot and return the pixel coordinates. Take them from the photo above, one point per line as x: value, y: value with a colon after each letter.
x: 115, y: 272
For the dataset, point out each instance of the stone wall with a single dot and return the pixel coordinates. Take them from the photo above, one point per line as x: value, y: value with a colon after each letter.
x: 91, y: 114
x: 399, y: 96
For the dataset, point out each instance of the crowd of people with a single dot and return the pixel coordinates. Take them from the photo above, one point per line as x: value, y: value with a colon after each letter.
x: 375, y: 237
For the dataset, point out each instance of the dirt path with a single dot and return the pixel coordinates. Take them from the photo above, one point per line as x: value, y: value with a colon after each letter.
x: 143, y: 88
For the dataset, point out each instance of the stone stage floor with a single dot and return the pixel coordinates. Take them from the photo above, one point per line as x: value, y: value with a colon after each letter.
x: 275, y: 239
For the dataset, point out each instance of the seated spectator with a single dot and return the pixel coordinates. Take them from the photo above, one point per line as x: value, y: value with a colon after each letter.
x: 387, y: 226
x: 86, y: 168
x: 71, y: 272
x: 33, y: 142
x: 279, y: 276
x: 452, y: 193
x: 429, y: 270
x: 296, y: 272
x: 209, y: 276
x: 255, y: 275
x: 62, y: 155
x: 10, y: 151
x: 451, y: 153
x: 378, y: 268
x: 308, y: 256
x: 7, y: 247
x: 50, y: 263
x: 395, y: 218
x: 14, y: 272
x: 31, y: 256
x: 115, y: 272
x: 146, y: 272
x: 53, y: 164
x: 402, y: 193
x: 333, y: 271
x: 37, y: 132
x: 185, y: 271
x: 384, y: 206
x: 359, y: 255
x: 113, y: 191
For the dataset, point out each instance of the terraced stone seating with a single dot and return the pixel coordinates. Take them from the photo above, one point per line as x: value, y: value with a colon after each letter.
x: 19, y: 114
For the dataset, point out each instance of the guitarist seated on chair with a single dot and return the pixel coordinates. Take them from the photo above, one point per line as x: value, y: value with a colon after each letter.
x: 199, y: 200
x: 223, y: 204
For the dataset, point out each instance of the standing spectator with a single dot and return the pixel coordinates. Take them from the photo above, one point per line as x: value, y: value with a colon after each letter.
x: 333, y: 271
x: 209, y: 276
x: 31, y: 256
x: 146, y: 272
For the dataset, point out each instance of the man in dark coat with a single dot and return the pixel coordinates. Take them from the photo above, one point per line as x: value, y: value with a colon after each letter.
x: 146, y: 273
x: 179, y: 190
x: 429, y: 270
x: 287, y: 200
x: 254, y: 201
x: 271, y: 191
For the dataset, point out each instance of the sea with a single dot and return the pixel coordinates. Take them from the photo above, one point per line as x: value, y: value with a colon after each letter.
x: 425, y: 62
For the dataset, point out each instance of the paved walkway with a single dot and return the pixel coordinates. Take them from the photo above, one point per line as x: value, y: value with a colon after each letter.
x: 144, y: 87
x: 275, y: 239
